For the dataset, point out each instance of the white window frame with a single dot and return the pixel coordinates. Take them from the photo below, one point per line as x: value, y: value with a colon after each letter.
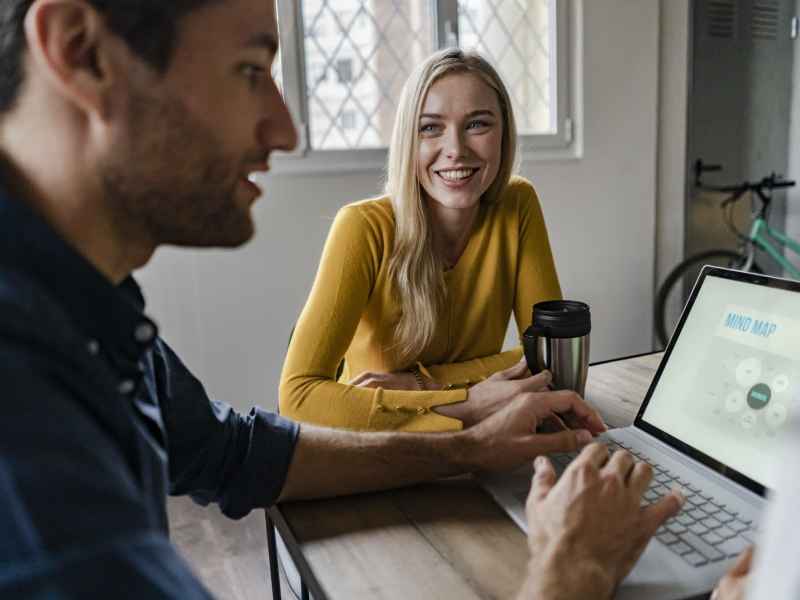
x: 533, y: 147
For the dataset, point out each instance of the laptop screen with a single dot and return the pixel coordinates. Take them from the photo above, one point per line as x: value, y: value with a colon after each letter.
x: 727, y: 384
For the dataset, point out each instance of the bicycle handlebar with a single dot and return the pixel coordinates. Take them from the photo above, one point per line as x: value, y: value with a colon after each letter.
x: 772, y: 182
x: 769, y: 183
x: 785, y: 183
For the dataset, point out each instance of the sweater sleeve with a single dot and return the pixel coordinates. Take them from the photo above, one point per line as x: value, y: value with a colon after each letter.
x: 308, y: 391
x: 475, y: 370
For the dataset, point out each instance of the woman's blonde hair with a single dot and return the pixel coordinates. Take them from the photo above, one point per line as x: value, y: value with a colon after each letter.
x: 414, y: 267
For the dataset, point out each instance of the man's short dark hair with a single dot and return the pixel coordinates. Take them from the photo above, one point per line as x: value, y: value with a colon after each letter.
x: 149, y: 27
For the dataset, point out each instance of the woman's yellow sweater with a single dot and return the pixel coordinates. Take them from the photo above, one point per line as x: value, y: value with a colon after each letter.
x: 353, y: 310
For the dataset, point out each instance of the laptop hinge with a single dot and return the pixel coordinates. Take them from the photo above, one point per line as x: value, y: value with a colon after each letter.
x: 698, y: 467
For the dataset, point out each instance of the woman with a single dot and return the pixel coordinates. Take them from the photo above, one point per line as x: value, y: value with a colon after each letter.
x: 415, y: 289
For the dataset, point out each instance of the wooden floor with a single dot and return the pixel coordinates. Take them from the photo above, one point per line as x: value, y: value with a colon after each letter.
x: 229, y: 557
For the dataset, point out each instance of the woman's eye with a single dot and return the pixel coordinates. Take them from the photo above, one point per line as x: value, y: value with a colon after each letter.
x: 427, y: 128
x: 477, y: 124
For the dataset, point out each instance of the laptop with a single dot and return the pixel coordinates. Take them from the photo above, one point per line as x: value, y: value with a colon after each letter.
x: 711, y: 423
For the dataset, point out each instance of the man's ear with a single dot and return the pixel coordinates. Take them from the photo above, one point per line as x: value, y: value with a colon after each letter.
x: 70, y: 45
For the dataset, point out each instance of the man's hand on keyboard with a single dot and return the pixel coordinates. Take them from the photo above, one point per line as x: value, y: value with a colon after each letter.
x: 510, y: 438
x: 587, y: 530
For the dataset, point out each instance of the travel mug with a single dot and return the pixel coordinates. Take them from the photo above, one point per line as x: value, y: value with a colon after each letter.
x: 558, y: 341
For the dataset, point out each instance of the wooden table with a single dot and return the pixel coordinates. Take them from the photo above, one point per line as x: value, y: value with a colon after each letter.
x: 446, y: 539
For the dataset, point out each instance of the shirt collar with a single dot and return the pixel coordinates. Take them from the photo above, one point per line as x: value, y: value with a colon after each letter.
x: 111, y: 316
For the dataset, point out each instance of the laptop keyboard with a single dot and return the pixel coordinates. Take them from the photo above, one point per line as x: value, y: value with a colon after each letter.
x: 705, y: 531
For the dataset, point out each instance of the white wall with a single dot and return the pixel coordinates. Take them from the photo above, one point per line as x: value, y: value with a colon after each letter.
x: 229, y: 313
x: 793, y: 194
x: 672, y: 137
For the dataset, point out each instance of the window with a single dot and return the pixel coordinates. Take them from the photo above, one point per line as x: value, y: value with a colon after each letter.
x: 369, y: 47
x: 344, y: 70
x: 347, y: 120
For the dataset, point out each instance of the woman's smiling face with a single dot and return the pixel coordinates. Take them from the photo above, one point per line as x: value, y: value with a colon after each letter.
x: 460, y: 134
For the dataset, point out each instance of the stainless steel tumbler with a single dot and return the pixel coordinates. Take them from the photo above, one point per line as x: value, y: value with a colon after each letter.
x: 558, y: 340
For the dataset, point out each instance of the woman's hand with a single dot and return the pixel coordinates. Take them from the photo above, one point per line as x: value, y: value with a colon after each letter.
x: 399, y: 380
x: 489, y: 396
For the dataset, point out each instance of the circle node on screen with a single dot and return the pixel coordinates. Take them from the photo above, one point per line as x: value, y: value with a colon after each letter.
x: 758, y: 396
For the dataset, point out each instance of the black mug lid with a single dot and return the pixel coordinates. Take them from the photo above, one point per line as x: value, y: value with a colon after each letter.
x: 562, y: 318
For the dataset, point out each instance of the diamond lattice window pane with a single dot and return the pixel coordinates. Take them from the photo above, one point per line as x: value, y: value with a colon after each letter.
x: 516, y: 36
x: 358, y: 53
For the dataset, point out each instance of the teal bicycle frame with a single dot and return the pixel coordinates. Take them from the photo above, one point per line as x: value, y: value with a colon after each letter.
x: 769, y: 240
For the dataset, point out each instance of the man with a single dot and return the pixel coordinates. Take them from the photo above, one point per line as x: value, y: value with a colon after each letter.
x: 124, y: 125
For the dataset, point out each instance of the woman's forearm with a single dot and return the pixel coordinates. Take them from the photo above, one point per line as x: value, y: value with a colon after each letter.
x: 474, y: 370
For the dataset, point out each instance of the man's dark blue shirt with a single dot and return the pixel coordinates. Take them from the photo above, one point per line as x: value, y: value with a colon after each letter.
x: 99, y: 421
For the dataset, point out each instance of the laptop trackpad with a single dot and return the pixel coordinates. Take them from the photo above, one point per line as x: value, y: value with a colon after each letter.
x: 657, y: 576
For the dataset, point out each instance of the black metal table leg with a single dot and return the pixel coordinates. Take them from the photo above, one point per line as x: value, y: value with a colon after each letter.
x: 272, y: 551
x: 308, y: 584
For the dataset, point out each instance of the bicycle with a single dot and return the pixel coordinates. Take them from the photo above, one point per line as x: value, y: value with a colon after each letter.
x: 760, y: 236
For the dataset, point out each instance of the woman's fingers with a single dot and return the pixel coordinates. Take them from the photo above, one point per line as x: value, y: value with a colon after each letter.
x: 541, y: 380
x: 367, y: 379
x: 517, y: 371
x: 361, y: 377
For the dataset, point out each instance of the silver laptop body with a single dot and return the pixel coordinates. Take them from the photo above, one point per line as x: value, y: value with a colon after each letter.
x: 710, y: 424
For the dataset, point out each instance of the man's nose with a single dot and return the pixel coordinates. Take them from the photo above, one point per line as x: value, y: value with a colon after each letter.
x: 277, y: 131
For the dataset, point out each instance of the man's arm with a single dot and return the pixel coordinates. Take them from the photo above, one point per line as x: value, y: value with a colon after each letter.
x: 75, y: 522
x: 243, y: 460
x: 238, y: 461
x: 330, y: 462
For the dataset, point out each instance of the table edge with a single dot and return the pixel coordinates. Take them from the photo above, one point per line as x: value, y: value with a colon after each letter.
x: 621, y: 358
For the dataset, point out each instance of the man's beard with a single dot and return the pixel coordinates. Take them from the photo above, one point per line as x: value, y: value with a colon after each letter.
x: 170, y: 183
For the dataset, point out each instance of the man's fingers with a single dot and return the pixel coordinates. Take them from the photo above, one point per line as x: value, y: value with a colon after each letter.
x: 594, y: 454
x: 621, y: 463
x: 563, y: 401
x: 640, y: 478
x: 654, y: 515
x: 563, y: 441
x: 544, y: 478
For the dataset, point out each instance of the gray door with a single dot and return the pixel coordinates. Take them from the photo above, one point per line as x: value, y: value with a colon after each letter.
x: 739, y: 108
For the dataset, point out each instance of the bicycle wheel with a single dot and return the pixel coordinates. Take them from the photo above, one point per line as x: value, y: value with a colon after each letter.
x: 673, y: 293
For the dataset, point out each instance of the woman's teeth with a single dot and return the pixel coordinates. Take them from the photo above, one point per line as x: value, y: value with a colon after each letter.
x: 457, y: 174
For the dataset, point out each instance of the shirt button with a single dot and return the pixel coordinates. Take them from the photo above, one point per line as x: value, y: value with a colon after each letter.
x: 126, y: 386
x: 93, y: 347
x: 144, y: 333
